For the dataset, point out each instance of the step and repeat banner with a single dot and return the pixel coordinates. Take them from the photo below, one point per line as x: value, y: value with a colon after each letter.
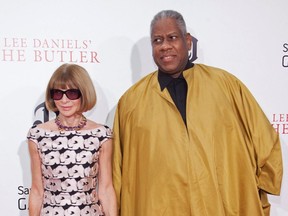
x: 111, y: 40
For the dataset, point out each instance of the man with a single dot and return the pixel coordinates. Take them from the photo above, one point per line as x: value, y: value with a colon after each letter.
x: 190, y: 139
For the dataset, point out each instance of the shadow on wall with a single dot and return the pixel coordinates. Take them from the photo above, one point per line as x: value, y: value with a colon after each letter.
x: 142, y: 64
x: 141, y: 59
x: 23, y: 190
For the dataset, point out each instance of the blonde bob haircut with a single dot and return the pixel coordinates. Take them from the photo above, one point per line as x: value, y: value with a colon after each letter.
x: 72, y: 76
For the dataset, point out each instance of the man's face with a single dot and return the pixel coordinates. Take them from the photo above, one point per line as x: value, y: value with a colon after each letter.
x: 170, y: 47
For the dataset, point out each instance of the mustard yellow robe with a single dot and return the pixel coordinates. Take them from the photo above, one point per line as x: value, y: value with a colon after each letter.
x: 221, y: 164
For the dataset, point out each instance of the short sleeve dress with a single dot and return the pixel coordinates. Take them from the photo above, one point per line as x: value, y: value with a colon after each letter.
x: 70, y: 169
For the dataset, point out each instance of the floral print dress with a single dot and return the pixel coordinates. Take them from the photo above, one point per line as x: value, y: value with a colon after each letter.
x: 70, y: 169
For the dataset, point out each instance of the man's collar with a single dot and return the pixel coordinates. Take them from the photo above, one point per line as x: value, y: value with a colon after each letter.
x: 164, y: 79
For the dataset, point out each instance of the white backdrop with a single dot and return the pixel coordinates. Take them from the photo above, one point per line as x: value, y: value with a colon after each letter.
x: 111, y: 40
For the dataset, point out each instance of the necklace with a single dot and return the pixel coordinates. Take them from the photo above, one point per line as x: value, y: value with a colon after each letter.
x: 62, y: 127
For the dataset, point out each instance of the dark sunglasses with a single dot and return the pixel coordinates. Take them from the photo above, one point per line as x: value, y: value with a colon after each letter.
x: 72, y: 94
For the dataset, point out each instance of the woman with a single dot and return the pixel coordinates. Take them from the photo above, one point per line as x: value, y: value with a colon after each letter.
x: 71, y: 155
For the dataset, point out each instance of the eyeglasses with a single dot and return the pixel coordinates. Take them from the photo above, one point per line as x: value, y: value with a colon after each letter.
x: 72, y: 94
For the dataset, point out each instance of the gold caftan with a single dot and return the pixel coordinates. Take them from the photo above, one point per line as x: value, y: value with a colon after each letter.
x: 220, y: 165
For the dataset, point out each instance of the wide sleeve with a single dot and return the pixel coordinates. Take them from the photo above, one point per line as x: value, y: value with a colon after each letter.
x: 117, y: 157
x: 263, y: 144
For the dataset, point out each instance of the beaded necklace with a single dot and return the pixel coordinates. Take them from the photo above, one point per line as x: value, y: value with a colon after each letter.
x: 62, y: 127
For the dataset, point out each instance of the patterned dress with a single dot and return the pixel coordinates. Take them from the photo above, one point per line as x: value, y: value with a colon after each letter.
x: 70, y: 169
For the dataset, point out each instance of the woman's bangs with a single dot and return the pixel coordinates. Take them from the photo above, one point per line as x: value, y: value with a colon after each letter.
x: 64, y: 84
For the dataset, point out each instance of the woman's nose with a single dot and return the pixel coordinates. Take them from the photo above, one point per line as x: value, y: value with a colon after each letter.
x: 64, y: 98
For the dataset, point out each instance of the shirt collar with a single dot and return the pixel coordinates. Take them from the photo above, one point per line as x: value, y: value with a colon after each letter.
x: 164, y: 79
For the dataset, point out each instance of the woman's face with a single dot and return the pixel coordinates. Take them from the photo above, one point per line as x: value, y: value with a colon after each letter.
x: 67, y: 107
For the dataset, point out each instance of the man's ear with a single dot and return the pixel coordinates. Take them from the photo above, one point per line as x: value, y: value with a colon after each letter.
x: 189, y: 40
